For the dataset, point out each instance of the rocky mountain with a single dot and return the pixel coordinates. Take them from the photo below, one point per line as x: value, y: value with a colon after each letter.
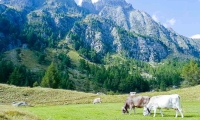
x: 43, y: 20
x: 87, y: 4
x: 112, y: 26
x: 139, y: 22
x: 104, y: 36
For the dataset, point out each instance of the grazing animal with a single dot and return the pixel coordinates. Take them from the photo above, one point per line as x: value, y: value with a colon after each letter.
x: 163, y: 101
x: 97, y: 100
x: 135, y: 101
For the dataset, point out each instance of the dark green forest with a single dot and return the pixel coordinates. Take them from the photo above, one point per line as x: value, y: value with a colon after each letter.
x: 122, y: 77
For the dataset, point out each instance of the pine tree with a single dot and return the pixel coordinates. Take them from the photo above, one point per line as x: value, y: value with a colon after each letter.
x: 163, y: 86
x: 15, y: 77
x: 51, y: 78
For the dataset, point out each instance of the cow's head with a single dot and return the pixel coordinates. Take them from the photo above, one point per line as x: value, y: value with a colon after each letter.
x: 146, y: 111
x: 124, y: 110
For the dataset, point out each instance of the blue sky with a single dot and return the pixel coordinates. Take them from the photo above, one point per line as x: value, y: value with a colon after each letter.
x: 181, y: 15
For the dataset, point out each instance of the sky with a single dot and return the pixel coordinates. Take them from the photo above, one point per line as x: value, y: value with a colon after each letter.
x: 183, y: 16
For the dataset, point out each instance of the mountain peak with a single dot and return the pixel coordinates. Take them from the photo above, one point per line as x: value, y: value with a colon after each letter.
x: 87, y: 4
x: 35, y: 4
x: 100, y: 4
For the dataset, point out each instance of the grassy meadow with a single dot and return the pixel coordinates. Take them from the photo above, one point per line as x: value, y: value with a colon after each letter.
x: 108, y: 111
x: 58, y: 104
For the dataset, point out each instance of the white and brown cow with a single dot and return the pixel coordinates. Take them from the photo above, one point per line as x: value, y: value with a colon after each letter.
x: 135, y: 101
x: 163, y: 101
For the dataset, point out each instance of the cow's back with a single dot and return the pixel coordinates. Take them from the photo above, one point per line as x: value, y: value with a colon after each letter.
x: 146, y: 100
x: 140, y: 101
x: 165, y: 101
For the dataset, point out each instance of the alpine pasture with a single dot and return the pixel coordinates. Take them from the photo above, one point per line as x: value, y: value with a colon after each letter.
x: 57, y: 104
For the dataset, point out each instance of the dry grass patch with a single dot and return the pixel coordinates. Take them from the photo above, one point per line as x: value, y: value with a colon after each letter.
x: 43, y: 96
x: 46, y: 96
x: 12, y: 113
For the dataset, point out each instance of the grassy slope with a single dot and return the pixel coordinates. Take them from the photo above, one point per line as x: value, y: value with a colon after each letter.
x: 28, y: 58
x: 51, y: 103
x: 46, y: 96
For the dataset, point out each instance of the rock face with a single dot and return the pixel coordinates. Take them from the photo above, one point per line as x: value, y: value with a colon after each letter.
x: 47, y: 17
x: 112, y: 26
x: 37, y: 4
x: 104, y: 36
x: 87, y: 4
x: 139, y: 22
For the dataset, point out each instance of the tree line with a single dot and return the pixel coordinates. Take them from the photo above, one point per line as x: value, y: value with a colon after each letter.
x: 122, y: 77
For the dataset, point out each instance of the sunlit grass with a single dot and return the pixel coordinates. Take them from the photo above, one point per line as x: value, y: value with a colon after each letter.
x: 27, y: 58
x: 74, y: 56
x: 108, y: 111
x: 46, y: 96
x: 58, y: 104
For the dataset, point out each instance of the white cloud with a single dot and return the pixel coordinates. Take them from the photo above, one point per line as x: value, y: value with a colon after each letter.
x: 94, y: 1
x: 171, y: 22
x: 197, y: 36
x: 154, y: 17
x: 165, y: 25
x: 77, y: 1
x: 80, y: 1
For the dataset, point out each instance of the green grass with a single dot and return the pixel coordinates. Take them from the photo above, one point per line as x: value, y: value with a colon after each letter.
x: 28, y: 58
x: 58, y: 104
x: 74, y: 56
x: 108, y: 111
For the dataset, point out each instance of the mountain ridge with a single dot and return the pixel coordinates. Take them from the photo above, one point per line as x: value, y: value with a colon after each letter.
x: 55, y: 19
x: 142, y: 23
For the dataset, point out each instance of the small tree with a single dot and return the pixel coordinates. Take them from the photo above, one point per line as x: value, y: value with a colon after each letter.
x: 15, y: 77
x: 190, y: 73
x: 51, y: 78
x: 163, y: 85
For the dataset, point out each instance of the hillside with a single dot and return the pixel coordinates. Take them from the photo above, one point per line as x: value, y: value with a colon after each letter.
x: 46, y: 96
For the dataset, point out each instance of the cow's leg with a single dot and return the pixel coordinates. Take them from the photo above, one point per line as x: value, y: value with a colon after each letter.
x: 176, y: 113
x: 161, y: 113
x: 154, y: 113
x: 134, y: 111
x: 180, y: 110
x: 130, y: 111
x: 131, y: 108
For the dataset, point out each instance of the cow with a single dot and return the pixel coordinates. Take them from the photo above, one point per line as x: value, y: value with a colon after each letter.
x: 134, y: 101
x: 97, y: 100
x: 163, y: 101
